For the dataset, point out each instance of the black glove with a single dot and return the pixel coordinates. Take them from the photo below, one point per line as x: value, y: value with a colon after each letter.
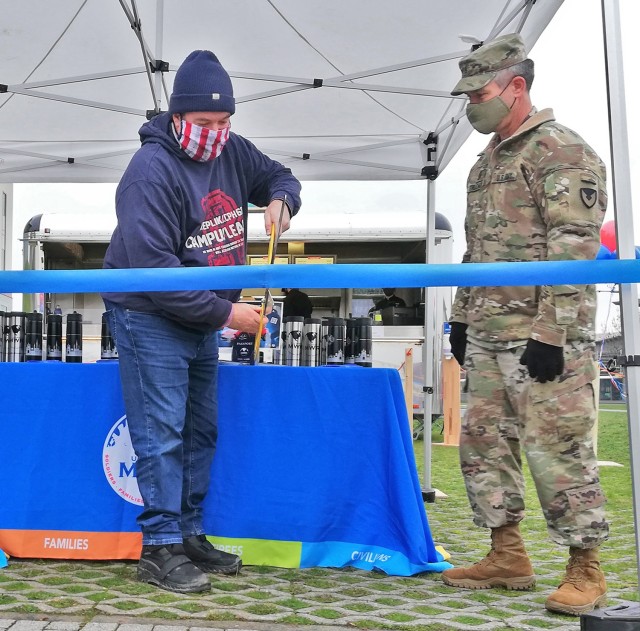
x: 545, y: 362
x: 458, y: 341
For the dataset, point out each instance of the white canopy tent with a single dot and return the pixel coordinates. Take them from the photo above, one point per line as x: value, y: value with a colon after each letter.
x: 355, y: 90
x: 336, y: 90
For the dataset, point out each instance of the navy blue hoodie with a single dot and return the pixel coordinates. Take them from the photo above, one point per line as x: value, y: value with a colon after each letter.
x: 176, y: 212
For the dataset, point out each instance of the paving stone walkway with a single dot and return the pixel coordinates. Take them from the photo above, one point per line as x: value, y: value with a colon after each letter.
x: 105, y: 623
x: 104, y: 596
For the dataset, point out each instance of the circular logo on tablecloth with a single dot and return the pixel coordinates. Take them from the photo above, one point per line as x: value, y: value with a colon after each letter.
x: 119, y: 462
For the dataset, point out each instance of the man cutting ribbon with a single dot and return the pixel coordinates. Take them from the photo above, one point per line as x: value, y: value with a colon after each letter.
x: 183, y: 202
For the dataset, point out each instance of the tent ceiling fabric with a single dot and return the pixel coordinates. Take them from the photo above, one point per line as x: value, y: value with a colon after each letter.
x: 74, y: 88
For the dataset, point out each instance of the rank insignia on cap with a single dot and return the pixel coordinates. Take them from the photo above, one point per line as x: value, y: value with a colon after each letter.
x: 589, y: 196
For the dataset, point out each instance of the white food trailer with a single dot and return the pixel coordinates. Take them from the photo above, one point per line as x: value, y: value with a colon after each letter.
x: 62, y: 241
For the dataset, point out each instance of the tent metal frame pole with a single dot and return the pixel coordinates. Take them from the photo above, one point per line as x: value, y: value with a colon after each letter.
x: 379, y: 145
x: 328, y: 158
x: 79, y: 78
x: 429, y: 346
x: 342, y: 84
x: 498, y: 28
x: 159, y: 44
x: 348, y: 77
x: 67, y: 99
x: 625, y: 237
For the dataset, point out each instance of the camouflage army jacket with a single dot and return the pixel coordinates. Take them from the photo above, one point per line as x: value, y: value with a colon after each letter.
x: 539, y: 195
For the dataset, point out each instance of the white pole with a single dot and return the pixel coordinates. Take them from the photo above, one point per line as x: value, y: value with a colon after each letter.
x: 158, y: 51
x: 625, y: 235
x: 428, y: 348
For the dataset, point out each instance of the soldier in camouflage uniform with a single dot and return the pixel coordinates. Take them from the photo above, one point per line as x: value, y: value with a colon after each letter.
x: 537, y: 193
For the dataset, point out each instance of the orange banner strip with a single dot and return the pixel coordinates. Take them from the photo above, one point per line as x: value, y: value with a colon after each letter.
x: 70, y: 544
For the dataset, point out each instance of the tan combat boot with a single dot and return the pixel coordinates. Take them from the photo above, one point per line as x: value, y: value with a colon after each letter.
x: 506, y: 565
x: 583, y: 587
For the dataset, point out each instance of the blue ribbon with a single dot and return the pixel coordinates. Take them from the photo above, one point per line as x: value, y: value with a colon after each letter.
x: 323, y: 276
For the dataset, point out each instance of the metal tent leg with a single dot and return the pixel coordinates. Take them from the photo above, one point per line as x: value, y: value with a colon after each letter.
x: 624, y: 616
x: 429, y: 346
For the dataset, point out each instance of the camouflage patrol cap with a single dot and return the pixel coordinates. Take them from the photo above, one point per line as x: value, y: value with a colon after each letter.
x: 481, y: 66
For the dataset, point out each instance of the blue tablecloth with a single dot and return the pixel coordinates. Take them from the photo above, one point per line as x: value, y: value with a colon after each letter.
x: 314, y: 467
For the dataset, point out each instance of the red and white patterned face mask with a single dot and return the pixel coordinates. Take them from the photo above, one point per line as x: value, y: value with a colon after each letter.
x: 201, y: 143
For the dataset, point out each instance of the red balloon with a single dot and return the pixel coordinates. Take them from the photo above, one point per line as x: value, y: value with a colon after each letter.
x: 608, y: 235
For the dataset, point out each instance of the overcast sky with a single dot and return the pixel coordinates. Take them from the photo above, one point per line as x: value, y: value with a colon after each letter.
x: 570, y: 78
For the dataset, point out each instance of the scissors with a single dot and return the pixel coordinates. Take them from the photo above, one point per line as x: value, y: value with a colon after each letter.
x: 267, y: 301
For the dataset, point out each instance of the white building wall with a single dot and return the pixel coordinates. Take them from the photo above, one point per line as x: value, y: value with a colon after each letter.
x: 6, y: 230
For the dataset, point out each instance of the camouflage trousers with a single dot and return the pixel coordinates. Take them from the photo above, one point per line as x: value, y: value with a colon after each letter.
x: 552, y: 422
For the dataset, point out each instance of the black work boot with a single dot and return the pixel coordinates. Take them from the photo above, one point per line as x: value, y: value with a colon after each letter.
x: 209, y: 559
x: 168, y: 567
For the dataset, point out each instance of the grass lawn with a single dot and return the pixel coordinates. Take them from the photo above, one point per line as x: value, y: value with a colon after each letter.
x: 451, y: 523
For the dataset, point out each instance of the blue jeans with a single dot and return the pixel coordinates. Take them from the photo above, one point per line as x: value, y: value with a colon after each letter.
x: 169, y: 379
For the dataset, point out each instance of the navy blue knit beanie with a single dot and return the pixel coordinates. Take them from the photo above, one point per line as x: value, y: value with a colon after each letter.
x: 202, y: 85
